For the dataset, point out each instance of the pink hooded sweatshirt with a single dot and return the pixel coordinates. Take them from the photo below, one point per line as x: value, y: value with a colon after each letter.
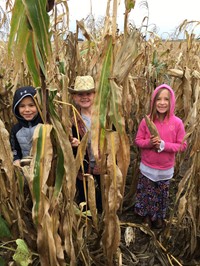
x: 171, y: 131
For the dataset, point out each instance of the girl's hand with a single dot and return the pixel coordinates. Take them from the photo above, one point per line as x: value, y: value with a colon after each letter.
x: 155, y: 141
x: 17, y: 163
x: 75, y: 142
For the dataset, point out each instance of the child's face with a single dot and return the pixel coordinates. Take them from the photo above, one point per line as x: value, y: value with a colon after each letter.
x: 162, y: 102
x: 84, y: 100
x: 27, y: 108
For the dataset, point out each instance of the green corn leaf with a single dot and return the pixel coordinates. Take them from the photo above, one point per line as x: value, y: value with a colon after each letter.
x: 52, y: 94
x: 61, y: 67
x: 100, y: 110
x: 32, y: 61
x: 4, y: 230
x: 104, y: 86
x: 39, y: 58
x: 60, y: 171
x: 19, y: 36
x: 39, y: 20
x: 2, y: 262
x: 22, y: 38
x: 18, y: 14
x: 30, y: 35
x: 102, y: 95
x: 22, y: 254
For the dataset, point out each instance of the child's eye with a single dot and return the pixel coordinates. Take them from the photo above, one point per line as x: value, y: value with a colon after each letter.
x: 166, y: 99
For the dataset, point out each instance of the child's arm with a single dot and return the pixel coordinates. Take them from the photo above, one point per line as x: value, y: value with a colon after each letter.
x: 178, y: 145
x: 143, y: 138
x: 15, y: 147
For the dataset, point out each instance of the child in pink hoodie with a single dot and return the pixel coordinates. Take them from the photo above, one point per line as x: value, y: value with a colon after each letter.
x: 158, y: 156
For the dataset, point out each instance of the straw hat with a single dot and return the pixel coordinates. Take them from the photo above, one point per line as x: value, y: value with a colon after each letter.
x: 83, y: 84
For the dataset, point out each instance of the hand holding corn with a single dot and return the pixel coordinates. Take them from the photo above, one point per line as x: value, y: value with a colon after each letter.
x: 155, y: 141
x: 155, y: 137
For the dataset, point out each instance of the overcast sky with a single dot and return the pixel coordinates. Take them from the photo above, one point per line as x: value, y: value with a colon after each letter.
x: 166, y: 15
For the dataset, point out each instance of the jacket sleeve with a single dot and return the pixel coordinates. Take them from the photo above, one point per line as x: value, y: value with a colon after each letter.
x: 179, y: 145
x: 142, y: 139
x: 15, y: 147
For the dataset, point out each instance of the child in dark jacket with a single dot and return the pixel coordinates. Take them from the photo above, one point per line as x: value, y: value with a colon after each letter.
x: 26, y: 112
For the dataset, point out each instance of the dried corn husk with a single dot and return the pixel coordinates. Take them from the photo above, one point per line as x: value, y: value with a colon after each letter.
x: 177, y: 73
x: 129, y: 235
x: 151, y: 126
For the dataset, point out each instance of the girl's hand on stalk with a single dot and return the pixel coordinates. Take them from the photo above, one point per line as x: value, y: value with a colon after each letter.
x: 17, y: 163
x: 75, y: 142
x: 155, y: 141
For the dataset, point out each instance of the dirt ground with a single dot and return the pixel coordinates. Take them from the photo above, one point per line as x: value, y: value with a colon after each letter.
x: 155, y: 247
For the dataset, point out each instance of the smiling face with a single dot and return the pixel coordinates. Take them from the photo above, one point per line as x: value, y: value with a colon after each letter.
x: 27, y: 108
x: 84, y: 100
x: 162, y: 103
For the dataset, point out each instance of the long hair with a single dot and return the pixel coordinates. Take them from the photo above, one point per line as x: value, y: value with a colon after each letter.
x: 153, y: 112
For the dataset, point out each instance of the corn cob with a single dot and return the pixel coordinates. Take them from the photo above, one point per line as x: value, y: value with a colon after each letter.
x: 151, y: 126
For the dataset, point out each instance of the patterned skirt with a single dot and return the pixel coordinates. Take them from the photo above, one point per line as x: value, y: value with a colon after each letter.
x: 152, y: 198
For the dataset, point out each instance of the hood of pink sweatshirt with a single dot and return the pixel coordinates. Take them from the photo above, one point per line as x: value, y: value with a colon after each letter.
x: 172, y: 97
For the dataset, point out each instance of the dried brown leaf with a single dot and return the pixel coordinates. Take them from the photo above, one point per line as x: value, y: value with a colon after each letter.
x: 177, y: 73
x: 6, y: 157
x: 92, y: 200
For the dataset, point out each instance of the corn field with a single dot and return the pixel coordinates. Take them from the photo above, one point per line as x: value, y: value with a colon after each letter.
x: 40, y: 222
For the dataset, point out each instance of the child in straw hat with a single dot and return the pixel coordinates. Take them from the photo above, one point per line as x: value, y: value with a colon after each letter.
x: 83, y: 95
